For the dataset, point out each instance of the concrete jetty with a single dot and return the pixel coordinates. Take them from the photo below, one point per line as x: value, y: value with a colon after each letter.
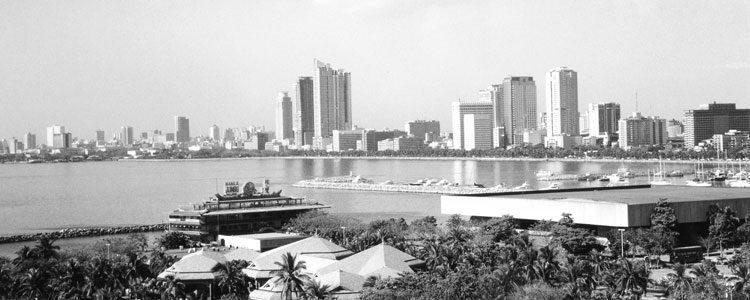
x: 427, y: 187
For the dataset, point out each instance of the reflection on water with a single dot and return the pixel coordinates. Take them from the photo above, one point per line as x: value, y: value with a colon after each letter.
x: 48, y: 196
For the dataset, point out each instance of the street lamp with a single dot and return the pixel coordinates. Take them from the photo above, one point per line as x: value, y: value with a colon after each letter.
x: 108, y: 251
x: 622, y: 243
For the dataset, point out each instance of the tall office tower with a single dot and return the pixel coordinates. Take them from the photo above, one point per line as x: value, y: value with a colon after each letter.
x: 56, y: 136
x: 519, y: 108
x: 459, y: 111
x: 213, y: 133
x: 716, y: 118
x: 583, y: 124
x: 126, y: 136
x: 637, y: 130
x: 419, y: 128
x: 29, y: 140
x: 181, y: 129
x: 562, y: 102
x: 100, y: 135
x: 333, y: 101
x: 304, y: 111
x: 284, y: 114
x: 603, y: 118
x: 494, y: 94
x: 674, y: 128
x: 477, y: 131
x: 228, y: 135
x: 14, y: 146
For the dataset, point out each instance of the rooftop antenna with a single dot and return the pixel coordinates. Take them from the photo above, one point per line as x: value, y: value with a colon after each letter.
x: 636, y: 101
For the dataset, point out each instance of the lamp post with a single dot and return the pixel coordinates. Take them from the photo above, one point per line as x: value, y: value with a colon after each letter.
x: 622, y: 242
x: 343, y: 229
x: 108, y: 244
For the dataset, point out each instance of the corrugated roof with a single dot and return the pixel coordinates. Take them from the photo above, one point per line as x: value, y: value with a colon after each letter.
x: 312, y: 249
x: 381, y: 260
x: 641, y: 195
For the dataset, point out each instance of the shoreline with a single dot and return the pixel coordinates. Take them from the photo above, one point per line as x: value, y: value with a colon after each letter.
x: 417, y: 158
x: 79, y: 232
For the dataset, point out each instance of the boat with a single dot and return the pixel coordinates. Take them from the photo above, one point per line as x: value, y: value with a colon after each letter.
x: 659, y: 176
x: 544, y: 173
x: 697, y: 182
x: 524, y: 186
x: 552, y: 186
x: 675, y: 173
x: 35, y: 161
x: 604, y: 179
x: 479, y: 185
x: 587, y: 177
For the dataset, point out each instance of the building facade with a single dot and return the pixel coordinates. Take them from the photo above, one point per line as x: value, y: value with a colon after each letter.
x: 304, y: 111
x: 213, y: 133
x: 181, y: 129
x: 56, y: 137
x: 284, y: 116
x: 519, y: 108
x: 562, y: 102
x: 370, y: 139
x: 637, y: 130
x: 603, y: 118
x: 29, y: 140
x: 477, y: 132
x: 332, y: 99
x: 401, y: 144
x: 344, y: 140
x: 459, y: 111
x: 420, y: 128
x: 674, y: 128
x: 716, y: 118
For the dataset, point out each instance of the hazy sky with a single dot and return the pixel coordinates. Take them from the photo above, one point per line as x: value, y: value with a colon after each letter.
x: 93, y: 64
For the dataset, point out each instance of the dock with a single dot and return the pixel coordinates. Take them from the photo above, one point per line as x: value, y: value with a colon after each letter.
x: 352, y: 183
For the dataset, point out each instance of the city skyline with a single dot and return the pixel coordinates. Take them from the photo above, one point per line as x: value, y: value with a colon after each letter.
x: 75, y: 66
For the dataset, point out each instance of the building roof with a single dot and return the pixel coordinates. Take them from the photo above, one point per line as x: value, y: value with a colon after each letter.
x: 267, y: 209
x: 266, y: 236
x: 645, y: 195
x: 315, y: 251
x: 198, y: 266
x: 381, y: 260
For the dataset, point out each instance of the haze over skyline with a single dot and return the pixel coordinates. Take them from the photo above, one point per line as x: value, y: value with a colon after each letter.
x: 91, y: 65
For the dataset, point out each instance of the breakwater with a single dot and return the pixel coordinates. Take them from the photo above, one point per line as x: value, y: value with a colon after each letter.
x: 82, y: 232
x: 338, y: 184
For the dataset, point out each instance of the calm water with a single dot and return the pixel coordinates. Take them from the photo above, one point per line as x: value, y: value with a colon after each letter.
x: 41, y: 197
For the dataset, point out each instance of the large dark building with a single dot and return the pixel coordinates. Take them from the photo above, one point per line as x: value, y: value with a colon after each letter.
x: 716, y: 118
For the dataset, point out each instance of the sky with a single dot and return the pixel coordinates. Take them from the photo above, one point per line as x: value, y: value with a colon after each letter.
x: 92, y: 64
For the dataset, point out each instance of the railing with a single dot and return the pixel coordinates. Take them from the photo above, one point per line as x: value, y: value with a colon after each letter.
x: 251, y: 203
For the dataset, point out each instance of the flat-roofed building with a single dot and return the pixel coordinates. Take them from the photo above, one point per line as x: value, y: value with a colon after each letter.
x: 459, y: 112
x: 344, y: 140
x: 716, y: 118
x: 420, y: 128
x: 638, y: 130
x: 401, y: 144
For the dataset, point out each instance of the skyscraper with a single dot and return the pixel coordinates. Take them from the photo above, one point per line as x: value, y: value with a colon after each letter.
x: 29, y: 140
x: 213, y: 133
x: 562, y: 102
x: 477, y: 132
x: 459, y: 111
x: 56, y: 136
x: 100, y: 135
x: 284, y: 117
x: 519, y: 108
x: 494, y: 94
x: 181, y: 129
x: 716, y: 118
x: 304, y: 111
x: 603, y: 118
x: 332, y: 100
x: 126, y: 136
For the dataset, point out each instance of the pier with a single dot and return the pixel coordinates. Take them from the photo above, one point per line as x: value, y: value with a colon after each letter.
x: 359, y: 184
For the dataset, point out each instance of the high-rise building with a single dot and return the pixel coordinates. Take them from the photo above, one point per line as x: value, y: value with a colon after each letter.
x: 304, y: 111
x: 477, y: 131
x: 284, y: 115
x: 716, y: 118
x: 603, y: 118
x: 420, y: 128
x: 674, y: 128
x: 332, y: 100
x: 100, y: 135
x: 181, y: 129
x: 56, y: 136
x: 519, y: 108
x: 343, y: 140
x: 459, y: 112
x: 126, y: 136
x: 14, y: 146
x: 213, y: 133
x: 637, y: 130
x: 370, y: 139
x: 29, y: 140
x: 562, y: 102
x: 494, y: 94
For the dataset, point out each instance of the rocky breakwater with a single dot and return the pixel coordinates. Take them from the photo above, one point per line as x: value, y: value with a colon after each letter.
x: 82, y: 232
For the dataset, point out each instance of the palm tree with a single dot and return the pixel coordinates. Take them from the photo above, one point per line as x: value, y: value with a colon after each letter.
x: 231, y: 278
x: 290, y: 276
x: 45, y: 248
x: 34, y: 283
x: 317, y: 291
x: 680, y: 284
x: 631, y: 279
x: 546, y: 265
x: 23, y: 255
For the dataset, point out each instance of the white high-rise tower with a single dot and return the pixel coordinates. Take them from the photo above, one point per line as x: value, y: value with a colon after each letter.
x: 562, y: 102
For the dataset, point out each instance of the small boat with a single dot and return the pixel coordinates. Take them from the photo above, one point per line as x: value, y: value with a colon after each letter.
x: 587, y: 177
x: 675, y: 173
x: 35, y: 161
x: 544, y: 173
x: 740, y: 184
x: 553, y: 186
x: 604, y: 179
x: 478, y: 185
x: 524, y: 186
x: 696, y: 182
